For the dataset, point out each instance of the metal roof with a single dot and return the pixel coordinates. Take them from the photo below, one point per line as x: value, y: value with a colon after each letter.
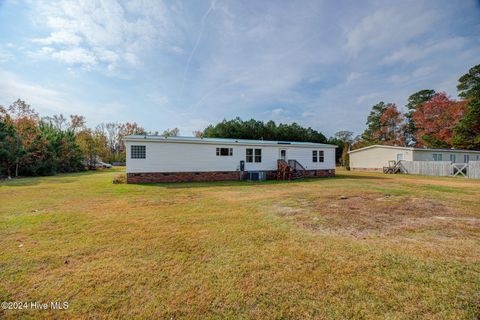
x: 224, y: 141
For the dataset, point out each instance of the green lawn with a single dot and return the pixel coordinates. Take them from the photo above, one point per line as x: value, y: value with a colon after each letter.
x: 361, y: 245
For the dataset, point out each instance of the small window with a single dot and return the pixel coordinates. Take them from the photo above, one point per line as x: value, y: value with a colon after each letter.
x: 478, y: 157
x: 314, y: 156
x: 321, y: 157
x: 249, y: 155
x: 437, y: 157
x: 453, y: 158
x: 137, y: 152
x: 466, y: 158
x: 224, y: 151
x: 258, y: 155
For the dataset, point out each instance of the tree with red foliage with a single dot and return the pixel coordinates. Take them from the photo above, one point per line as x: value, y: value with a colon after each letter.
x: 435, y: 120
x: 392, y: 126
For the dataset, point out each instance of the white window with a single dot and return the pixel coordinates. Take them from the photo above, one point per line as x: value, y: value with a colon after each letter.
x: 453, y: 158
x: 466, y: 158
x: 224, y: 151
x: 318, y: 156
x: 437, y: 157
x: 399, y: 156
x: 253, y: 155
x: 137, y: 152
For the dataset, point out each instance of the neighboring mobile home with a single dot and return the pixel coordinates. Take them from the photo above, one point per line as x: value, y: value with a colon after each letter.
x: 172, y: 159
x: 374, y: 158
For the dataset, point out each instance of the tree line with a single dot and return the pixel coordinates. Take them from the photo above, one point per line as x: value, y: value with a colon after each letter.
x: 255, y: 129
x: 432, y: 119
x: 31, y: 145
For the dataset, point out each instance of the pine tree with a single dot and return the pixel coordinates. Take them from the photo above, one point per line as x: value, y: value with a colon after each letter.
x: 11, y: 147
x: 466, y: 134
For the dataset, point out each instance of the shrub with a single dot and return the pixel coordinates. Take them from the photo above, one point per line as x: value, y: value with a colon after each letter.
x: 120, y: 179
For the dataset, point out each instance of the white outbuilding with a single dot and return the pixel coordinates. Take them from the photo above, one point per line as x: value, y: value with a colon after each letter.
x: 153, y: 158
x: 374, y: 158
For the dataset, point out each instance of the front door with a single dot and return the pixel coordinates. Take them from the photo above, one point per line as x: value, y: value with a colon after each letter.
x: 283, y: 154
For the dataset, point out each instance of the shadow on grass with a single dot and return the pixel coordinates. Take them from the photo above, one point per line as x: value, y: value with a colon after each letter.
x: 209, y: 184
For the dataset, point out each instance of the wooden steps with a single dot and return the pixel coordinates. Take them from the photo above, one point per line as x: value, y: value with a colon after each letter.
x: 289, y: 171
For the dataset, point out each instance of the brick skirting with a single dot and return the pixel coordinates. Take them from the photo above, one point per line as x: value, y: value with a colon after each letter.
x: 154, y: 177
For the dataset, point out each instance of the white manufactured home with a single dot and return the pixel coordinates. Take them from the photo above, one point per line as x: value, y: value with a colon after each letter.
x: 172, y: 159
x: 374, y: 158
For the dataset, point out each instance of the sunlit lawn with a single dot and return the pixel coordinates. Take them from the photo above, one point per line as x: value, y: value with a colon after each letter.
x: 361, y: 245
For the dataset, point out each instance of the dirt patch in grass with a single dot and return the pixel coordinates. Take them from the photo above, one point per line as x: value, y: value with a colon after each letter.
x: 364, y: 215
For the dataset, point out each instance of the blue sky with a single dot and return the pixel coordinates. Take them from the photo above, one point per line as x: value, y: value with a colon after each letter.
x: 187, y: 64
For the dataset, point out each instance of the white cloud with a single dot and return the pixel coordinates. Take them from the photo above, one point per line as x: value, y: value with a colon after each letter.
x: 132, y: 59
x: 60, y: 37
x: 414, y: 76
x: 13, y: 88
x: 159, y: 99
x: 5, y: 56
x: 416, y: 52
x: 389, y: 26
x: 106, y: 55
x: 177, y: 49
x: 277, y: 112
x: 424, y: 71
x: 352, y: 76
x: 53, y: 100
x: 6, y: 52
x: 76, y: 56
x: 368, y: 97
x: 105, y: 33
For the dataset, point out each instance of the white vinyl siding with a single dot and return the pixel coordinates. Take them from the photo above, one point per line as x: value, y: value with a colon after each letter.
x: 377, y: 157
x: 453, y: 156
x: 304, y: 156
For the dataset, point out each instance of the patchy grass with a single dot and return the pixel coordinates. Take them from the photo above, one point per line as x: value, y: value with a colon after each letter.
x: 361, y: 245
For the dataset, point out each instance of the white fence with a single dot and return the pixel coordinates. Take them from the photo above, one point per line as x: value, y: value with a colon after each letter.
x: 427, y: 168
x: 473, y: 170
x: 441, y: 168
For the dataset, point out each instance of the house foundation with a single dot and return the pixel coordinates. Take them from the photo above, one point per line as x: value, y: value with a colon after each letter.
x: 156, y: 177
